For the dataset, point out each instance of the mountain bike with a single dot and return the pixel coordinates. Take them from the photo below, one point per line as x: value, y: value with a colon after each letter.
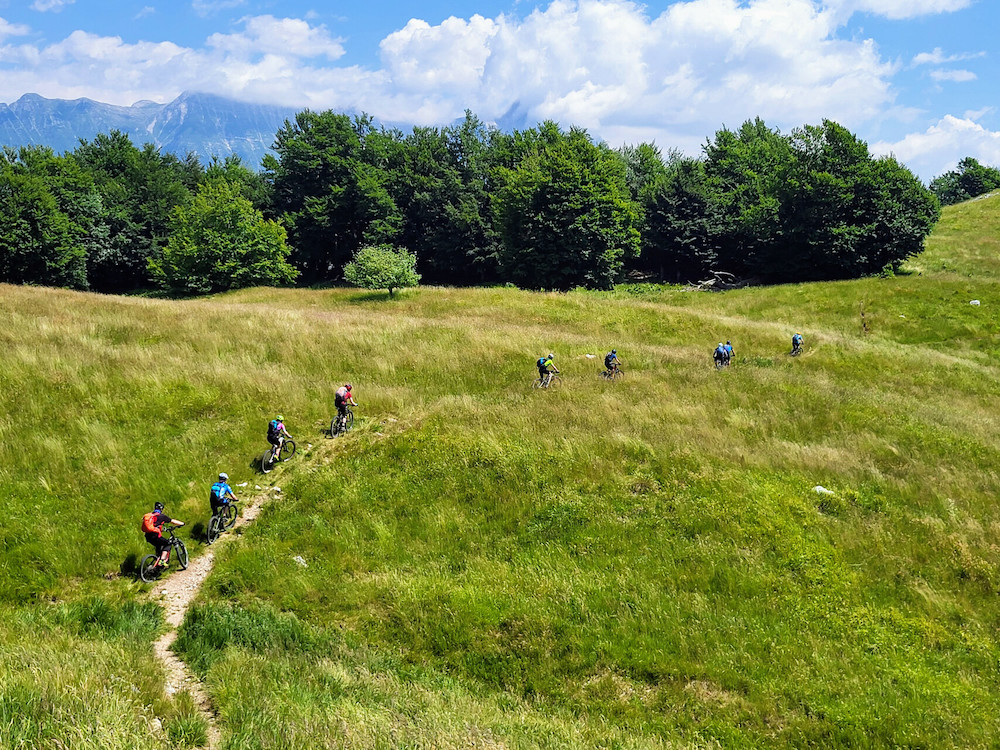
x: 550, y: 380
x: 617, y: 372
x: 272, y: 456
x: 223, y: 518
x: 150, y: 569
x: 796, y: 351
x: 341, y: 425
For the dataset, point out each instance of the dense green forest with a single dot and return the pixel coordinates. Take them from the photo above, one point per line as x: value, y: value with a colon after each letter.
x: 541, y: 208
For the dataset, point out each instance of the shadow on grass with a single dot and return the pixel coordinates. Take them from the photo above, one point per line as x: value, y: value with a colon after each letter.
x: 363, y: 297
x: 199, y: 531
x: 130, y: 566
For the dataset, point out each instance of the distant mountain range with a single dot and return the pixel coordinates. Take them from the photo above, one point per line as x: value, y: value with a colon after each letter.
x: 201, y: 123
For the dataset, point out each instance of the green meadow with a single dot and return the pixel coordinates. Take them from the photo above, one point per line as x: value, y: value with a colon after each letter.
x: 636, y: 564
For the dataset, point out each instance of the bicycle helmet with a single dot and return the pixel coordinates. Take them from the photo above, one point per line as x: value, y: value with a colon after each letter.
x: 223, y: 477
x: 551, y: 355
x: 280, y: 418
x: 347, y: 386
x: 158, y: 505
x: 729, y: 343
x: 614, y: 351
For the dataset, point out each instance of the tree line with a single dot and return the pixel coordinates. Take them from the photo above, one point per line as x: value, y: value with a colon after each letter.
x: 543, y: 208
x: 968, y: 180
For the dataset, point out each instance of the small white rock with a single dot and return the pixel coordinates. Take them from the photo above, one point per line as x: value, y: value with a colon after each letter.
x: 256, y: 486
x: 243, y: 485
x: 975, y: 303
x: 820, y: 490
x: 276, y: 489
x: 590, y: 356
x: 301, y: 561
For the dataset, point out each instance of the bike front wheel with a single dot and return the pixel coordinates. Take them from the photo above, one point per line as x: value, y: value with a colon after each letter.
x: 229, y: 516
x: 148, y: 571
x: 554, y: 382
x: 182, y: 554
x: 287, y: 450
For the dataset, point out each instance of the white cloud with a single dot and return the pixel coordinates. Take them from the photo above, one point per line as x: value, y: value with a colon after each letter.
x: 898, y: 9
x: 12, y: 29
x: 939, y: 148
x: 289, y: 37
x: 146, y: 11
x: 54, y: 5
x: 938, y: 57
x: 611, y: 68
x: 956, y: 76
x: 208, y: 7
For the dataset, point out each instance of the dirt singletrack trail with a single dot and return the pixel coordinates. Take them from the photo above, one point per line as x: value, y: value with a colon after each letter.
x: 176, y: 592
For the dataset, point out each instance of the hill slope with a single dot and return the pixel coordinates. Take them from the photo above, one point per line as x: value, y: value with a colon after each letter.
x: 632, y: 564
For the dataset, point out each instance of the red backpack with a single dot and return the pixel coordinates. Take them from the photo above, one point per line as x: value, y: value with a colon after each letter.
x: 149, y: 523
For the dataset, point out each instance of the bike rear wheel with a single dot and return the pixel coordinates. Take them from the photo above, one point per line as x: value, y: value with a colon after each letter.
x: 267, y: 462
x: 182, y: 554
x: 213, y: 528
x: 148, y: 571
x: 287, y: 450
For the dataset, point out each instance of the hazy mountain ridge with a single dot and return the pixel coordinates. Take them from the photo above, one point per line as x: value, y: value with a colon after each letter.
x: 201, y: 123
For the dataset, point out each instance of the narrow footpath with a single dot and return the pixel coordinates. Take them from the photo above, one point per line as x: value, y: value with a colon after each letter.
x: 176, y: 592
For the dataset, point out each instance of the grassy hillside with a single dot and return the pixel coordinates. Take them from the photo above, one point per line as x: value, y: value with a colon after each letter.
x: 632, y: 564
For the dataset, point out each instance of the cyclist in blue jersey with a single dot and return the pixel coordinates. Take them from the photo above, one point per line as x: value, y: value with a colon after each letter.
x: 221, y: 493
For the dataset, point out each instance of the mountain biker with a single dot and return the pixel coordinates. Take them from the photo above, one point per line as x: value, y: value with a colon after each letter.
x: 342, y: 399
x: 720, y: 355
x: 277, y: 434
x: 796, y: 342
x: 152, y: 527
x: 546, y: 367
x: 221, y: 493
x: 611, y: 361
x: 729, y: 351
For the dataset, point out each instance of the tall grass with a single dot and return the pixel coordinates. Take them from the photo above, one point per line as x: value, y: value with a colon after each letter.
x: 633, y: 564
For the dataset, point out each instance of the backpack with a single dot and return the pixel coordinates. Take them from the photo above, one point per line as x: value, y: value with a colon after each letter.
x: 216, y: 492
x: 541, y: 362
x: 272, y: 429
x: 149, y: 523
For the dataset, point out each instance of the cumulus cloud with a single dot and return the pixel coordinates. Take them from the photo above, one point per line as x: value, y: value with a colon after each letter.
x: 608, y: 66
x: 956, y: 76
x: 938, y: 149
x: 263, y: 35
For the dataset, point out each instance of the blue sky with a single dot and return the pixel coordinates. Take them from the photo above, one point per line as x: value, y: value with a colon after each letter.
x: 916, y: 78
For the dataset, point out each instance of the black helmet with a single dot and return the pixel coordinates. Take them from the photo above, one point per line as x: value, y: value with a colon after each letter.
x: 158, y: 505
